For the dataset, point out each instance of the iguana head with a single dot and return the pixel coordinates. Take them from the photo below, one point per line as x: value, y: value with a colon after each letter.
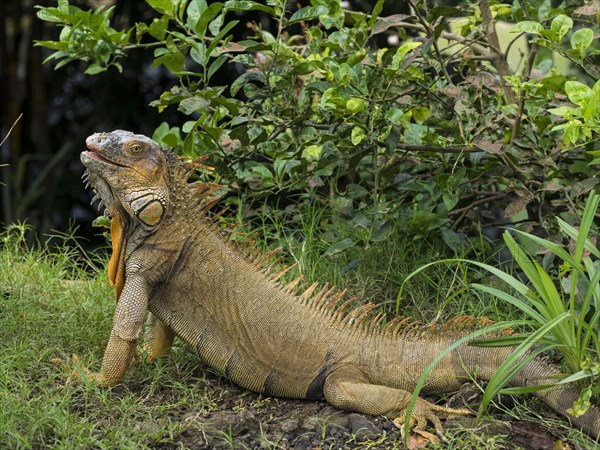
x: 129, y: 172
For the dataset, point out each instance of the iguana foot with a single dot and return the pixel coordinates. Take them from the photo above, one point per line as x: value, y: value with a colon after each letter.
x: 350, y: 390
x: 424, y: 412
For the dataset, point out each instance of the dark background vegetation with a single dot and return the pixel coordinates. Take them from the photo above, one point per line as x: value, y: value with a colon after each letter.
x: 58, y: 110
x: 53, y: 111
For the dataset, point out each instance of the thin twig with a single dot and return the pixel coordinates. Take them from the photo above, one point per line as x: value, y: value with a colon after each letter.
x: 517, y: 122
x: 527, y: 75
x: 11, y: 128
x: 477, y: 48
x: 433, y: 148
x: 462, y: 211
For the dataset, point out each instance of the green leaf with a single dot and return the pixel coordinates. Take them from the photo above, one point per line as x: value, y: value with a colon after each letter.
x: 198, y: 53
x: 200, y: 15
x: 194, y: 11
x: 452, y: 240
x: 172, y: 61
x: 557, y: 249
x: 554, y: 83
x: 312, y: 152
x: 522, y: 304
x: 561, y: 24
x: 399, y: 56
x: 94, y: 69
x: 376, y: 11
x: 168, y: 7
x: 356, y: 105
x: 187, y: 126
x: 358, y: 135
x: 102, y: 222
x: 219, y: 37
x: 215, y: 65
x: 591, y: 207
x: 247, y: 5
x: 420, y: 114
x: 244, y: 79
x: 528, y: 26
x: 158, y: 28
x: 339, y: 247
x: 307, y: 13
x: 385, y: 23
x: 215, y: 26
x: 261, y: 172
x: 193, y: 104
x: 49, y: 14
x: 582, y: 39
x: 582, y: 404
x: 395, y: 116
x: 578, y: 92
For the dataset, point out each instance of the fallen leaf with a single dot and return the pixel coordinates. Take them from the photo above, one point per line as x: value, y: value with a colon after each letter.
x: 516, y: 206
x: 495, y: 148
x: 421, y: 439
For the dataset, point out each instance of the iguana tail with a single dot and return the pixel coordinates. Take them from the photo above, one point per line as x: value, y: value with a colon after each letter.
x: 559, y: 397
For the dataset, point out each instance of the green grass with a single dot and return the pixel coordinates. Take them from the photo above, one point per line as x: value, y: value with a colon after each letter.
x: 50, y: 308
x: 58, y: 302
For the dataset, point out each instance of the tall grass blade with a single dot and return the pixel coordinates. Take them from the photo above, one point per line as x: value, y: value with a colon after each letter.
x: 518, y: 359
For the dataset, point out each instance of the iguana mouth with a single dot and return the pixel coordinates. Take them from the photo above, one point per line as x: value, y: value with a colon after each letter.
x: 97, y: 156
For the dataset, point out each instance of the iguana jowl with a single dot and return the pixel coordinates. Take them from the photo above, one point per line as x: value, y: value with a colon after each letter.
x: 171, y: 260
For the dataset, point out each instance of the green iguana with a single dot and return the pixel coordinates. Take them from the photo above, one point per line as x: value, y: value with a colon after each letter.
x: 170, y: 259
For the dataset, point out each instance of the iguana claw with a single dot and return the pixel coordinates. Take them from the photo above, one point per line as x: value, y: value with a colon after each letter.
x: 424, y: 412
x: 77, y: 372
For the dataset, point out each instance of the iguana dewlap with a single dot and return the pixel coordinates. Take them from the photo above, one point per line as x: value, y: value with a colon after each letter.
x: 241, y: 320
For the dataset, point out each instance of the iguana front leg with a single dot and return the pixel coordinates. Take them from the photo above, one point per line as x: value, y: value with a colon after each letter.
x: 127, y: 327
x: 350, y: 390
x: 158, y: 338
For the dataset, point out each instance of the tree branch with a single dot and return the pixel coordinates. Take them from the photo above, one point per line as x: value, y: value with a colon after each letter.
x: 499, y: 62
x: 433, y: 148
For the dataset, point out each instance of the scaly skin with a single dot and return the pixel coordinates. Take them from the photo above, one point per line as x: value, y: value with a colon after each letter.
x: 170, y: 260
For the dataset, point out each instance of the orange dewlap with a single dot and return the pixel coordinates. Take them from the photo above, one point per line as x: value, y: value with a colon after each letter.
x: 116, y: 265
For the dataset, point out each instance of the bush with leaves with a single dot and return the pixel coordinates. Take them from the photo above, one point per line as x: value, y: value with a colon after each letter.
x: 439, y: 137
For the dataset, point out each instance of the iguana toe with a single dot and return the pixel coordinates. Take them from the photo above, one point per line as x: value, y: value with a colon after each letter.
x: 77, y: 372
x: 424, y: 412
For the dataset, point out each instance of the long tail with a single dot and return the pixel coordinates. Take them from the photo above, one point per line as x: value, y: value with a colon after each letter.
x: 560, y: 397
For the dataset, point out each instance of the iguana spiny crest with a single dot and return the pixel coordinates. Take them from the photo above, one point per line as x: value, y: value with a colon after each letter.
x: 136, y: 180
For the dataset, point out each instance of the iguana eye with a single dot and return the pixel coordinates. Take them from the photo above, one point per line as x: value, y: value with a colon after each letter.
x: 135, y: 149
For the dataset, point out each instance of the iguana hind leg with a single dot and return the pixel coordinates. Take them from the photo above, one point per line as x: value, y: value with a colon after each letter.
x: 349, y: 390
x: 157, y: 339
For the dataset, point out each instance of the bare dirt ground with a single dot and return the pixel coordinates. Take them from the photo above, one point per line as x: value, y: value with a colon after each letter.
x: 241, y: 419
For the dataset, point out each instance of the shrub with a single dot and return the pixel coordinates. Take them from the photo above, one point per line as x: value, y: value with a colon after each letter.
x: 440, y: 137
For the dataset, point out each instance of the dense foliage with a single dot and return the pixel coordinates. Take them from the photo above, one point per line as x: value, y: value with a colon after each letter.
x: 416, y: 116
